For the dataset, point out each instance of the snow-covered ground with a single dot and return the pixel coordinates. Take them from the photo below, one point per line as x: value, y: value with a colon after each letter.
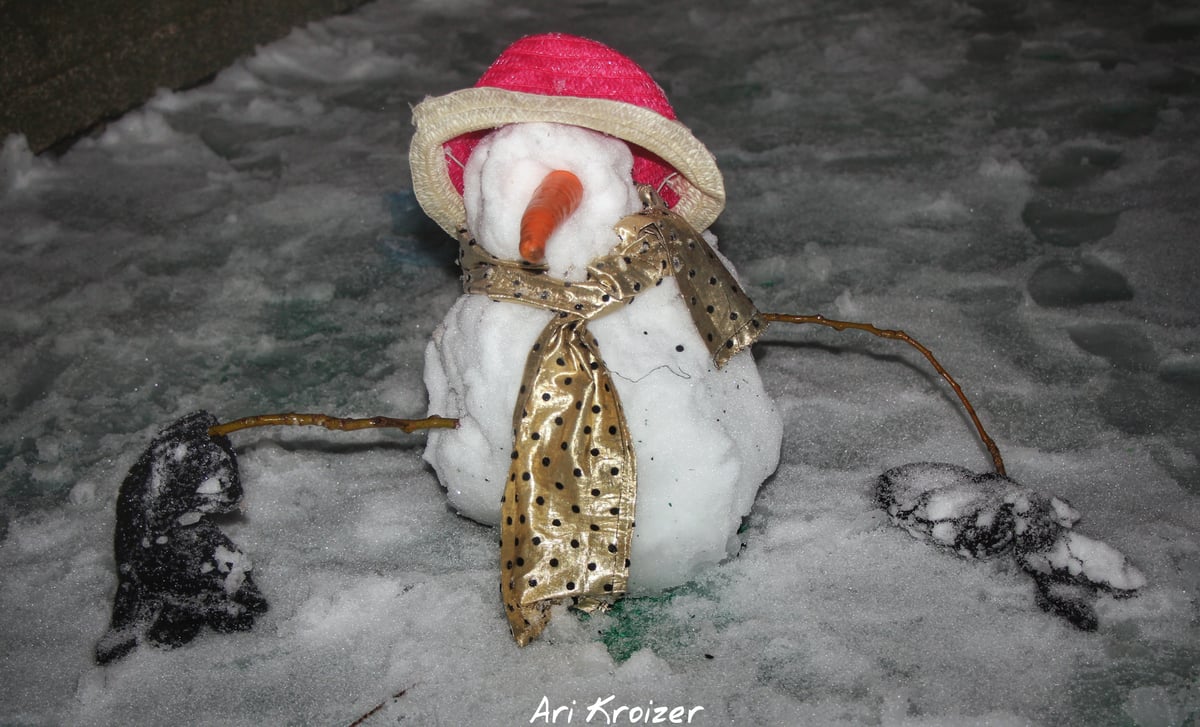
x: 1014, y: 183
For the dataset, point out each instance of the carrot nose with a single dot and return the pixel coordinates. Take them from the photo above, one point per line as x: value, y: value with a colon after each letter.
x: 553, y: 201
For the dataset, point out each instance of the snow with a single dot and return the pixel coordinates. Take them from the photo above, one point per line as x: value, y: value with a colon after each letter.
x: 505, y: 169
x: 705, y: 438
x: 1011, y: 183
x: 1098, y: 562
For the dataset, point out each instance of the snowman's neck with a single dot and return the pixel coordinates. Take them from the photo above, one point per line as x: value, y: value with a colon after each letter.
x: 652, y: 245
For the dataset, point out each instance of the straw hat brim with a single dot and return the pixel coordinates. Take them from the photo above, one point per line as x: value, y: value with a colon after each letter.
x: 439, y: 119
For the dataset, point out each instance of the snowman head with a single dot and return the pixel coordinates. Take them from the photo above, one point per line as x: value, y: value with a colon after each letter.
x: 518, y: 163
x: 569, y: 81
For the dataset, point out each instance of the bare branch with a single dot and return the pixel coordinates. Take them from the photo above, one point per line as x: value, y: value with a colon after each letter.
x: 337, y: 423
x: 895, y: 335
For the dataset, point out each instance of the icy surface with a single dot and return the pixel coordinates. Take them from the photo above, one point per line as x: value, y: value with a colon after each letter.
x: 1013, y: 183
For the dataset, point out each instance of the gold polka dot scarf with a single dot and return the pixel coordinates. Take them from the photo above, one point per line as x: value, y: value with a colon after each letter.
x: 567, y: 514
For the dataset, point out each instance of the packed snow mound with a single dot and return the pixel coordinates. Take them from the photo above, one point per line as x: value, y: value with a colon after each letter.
x: 705, y: 437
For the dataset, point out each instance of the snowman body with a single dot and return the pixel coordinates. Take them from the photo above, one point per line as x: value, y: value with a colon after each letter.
x: 704, y: 437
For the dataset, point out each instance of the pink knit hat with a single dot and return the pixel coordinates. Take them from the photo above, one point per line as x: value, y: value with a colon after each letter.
x: 569, y: 80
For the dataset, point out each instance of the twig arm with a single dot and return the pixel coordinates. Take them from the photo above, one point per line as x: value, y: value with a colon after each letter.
x: 336, y: 423
x: 895, y: 335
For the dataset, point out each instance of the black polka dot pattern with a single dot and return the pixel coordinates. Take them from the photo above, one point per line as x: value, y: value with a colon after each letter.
x: 580, y: 534
x: 568, y: 506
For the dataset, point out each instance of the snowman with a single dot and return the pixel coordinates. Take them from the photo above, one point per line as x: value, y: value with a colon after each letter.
x: 612, y: 420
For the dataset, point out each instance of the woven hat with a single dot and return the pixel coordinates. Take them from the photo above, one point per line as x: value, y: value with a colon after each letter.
x: 567, y: 80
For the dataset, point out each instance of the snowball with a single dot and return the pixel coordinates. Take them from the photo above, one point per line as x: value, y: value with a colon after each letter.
x: 508, y: 165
